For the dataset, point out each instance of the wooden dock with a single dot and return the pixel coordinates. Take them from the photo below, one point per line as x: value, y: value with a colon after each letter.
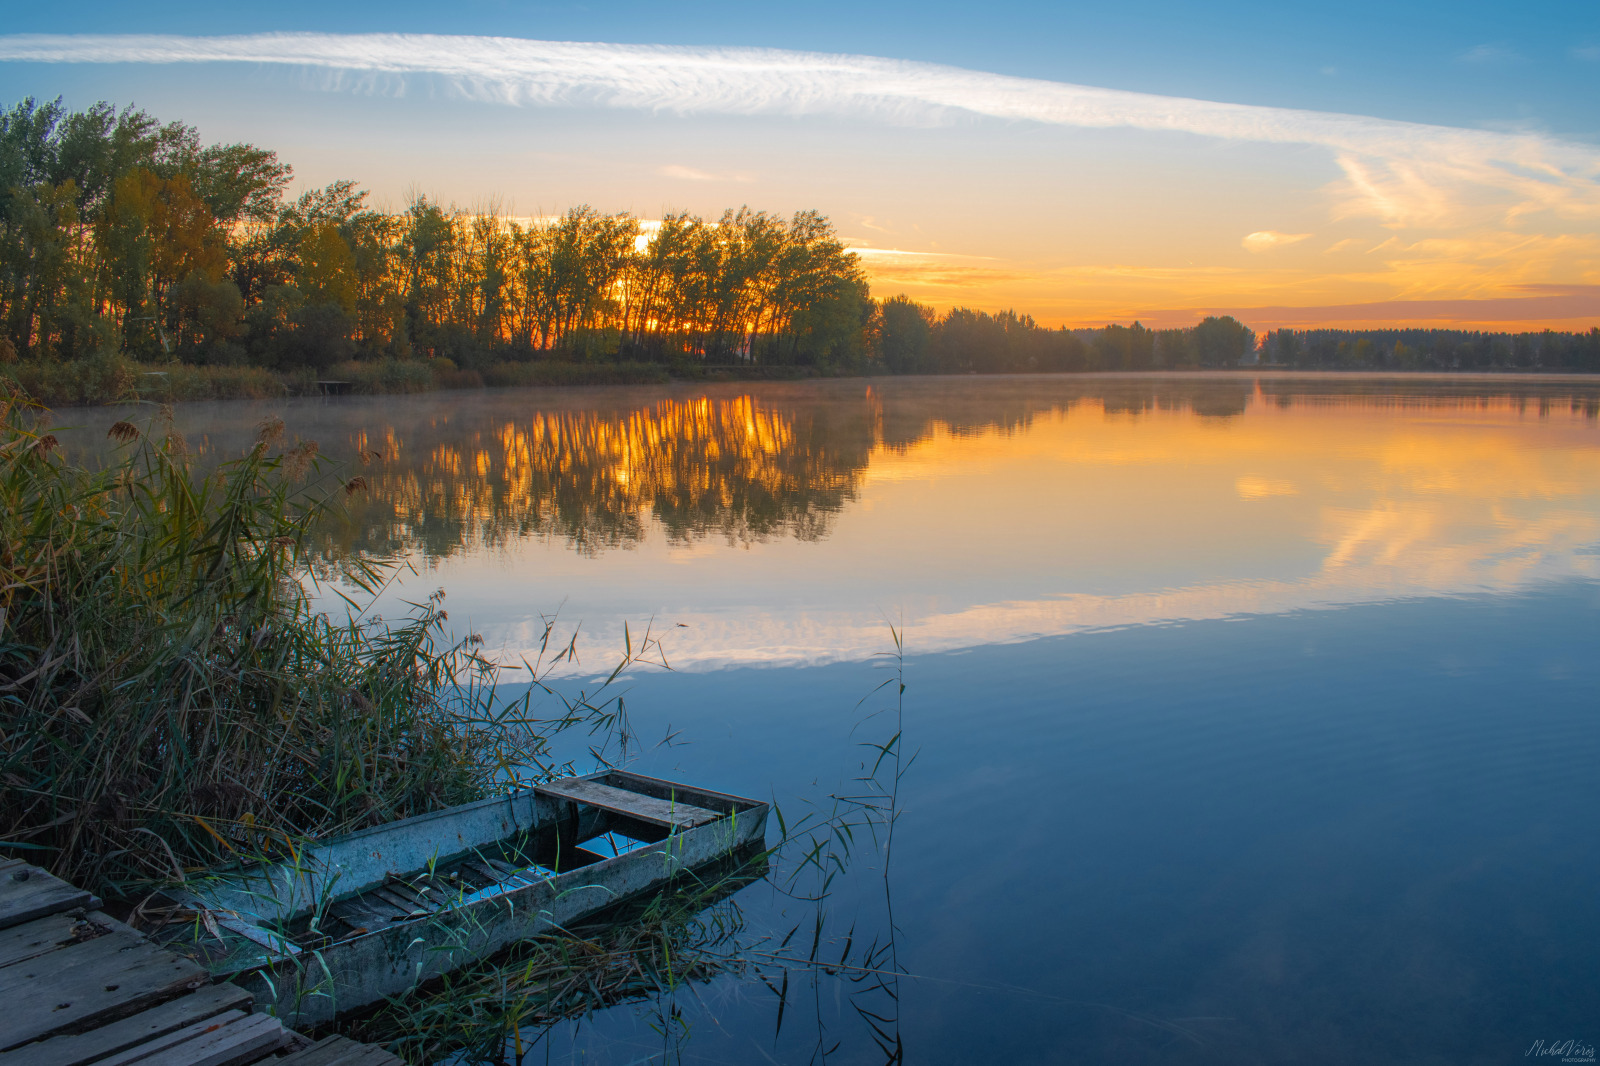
x: 78, y: 987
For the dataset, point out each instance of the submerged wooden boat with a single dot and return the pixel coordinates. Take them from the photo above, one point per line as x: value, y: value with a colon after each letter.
x: 370, y: 915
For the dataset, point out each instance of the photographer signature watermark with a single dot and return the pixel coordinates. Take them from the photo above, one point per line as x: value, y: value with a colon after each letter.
x: 1565, y: 1050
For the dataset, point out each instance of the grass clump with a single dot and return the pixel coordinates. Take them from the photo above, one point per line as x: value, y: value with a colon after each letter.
x: 384, y: 376
x: 169, y: 698
x: 108, y: 378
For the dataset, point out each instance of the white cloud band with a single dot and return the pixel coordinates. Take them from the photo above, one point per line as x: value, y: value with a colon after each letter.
x: 1403, y: 172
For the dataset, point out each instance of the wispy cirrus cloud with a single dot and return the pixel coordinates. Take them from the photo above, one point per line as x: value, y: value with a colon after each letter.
x: 1402, y: 173
x: 683, y: 173
x: 1267, y: 239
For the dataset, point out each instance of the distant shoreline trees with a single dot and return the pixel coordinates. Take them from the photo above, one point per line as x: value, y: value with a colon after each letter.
x: 1432, y: 349
x: 125, y: 238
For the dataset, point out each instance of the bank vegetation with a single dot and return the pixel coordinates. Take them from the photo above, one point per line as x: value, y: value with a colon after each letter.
x: 171, y: 700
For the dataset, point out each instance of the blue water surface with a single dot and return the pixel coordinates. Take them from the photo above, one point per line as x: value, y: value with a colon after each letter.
x: 1255, y: 714
x: 1355, y: 836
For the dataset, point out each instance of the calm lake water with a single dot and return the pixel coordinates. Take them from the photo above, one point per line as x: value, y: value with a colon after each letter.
x: 1256, y: 717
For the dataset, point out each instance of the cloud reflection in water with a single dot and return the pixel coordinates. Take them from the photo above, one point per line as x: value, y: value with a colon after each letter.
x: 787, y: 524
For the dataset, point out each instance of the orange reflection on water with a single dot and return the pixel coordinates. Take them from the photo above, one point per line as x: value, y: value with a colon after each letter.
x: 1119, y: 517
x: 785, y: 523
x: 729, y: 465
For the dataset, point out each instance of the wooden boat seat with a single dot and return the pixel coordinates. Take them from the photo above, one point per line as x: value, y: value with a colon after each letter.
x: 669, y: 813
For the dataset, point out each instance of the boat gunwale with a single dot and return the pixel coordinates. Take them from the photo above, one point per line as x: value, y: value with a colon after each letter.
x: 314, y: 985
x: 293, y: 890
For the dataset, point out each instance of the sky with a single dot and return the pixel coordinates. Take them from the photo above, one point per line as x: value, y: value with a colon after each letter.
x: 1356, y: 165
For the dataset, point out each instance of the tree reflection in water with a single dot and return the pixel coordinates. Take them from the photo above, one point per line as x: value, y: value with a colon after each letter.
x: 462, y: 473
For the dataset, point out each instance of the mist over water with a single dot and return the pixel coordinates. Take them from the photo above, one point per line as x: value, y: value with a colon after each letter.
x: 1257, y: 716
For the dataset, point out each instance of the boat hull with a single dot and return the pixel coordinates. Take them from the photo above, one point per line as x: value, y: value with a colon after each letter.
x: 310, y: 952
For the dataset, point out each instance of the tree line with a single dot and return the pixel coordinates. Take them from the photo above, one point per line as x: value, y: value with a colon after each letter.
x: 913, y: 338
x: 1432, y: 349
x: 124, y: 236
x: 118, y: 232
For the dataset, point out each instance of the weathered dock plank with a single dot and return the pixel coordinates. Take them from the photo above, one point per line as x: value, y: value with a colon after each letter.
x: 24, y: 941
x: 27, y: 892
x: 669, y: 813
x: 165, y: 1041
x: 79, y: 1049
x: 79, y: 988
x: 236, y: 1042
x: 76, y: 985
x: 340, y: 1051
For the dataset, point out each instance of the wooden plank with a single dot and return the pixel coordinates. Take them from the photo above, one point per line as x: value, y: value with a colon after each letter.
x: 694, y: 796
x: 161, y: 1042
x: 340, y: 1051
x: 22, y: 942
x: 27, y: 892
x: 353, y: 914
x: 321, y: 1053
x: 364, y: 912
x: 407, y: 892
x: 66, y: 954
x: 246, y: 1040
x: 79, y: 1049
x: 36, y: 937
x: 371, y: 1055
x: 395, y: 900
x: 73, y: 986
x: 294, y: 1042
x: 633, y: 804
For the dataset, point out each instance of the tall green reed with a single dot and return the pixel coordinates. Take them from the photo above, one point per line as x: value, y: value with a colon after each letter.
x: 170, y: 700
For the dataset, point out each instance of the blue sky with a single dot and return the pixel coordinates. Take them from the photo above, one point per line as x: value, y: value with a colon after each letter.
x: 959, y: 187
x: 1468, y: 64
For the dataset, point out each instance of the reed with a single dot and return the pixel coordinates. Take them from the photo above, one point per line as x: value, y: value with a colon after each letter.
x: 498, y: 1011
x: 170, y: 700
x: 114, y: 378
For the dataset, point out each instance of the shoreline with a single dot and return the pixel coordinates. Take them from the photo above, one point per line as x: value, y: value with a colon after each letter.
x: 76, y: 386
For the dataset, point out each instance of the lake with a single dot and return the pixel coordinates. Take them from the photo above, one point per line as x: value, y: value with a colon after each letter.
x: 1255, y: 715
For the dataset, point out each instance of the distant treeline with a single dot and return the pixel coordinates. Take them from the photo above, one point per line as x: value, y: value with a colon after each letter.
x: 1432, y: 349
x: 914, y: 339
x: 123, y: 238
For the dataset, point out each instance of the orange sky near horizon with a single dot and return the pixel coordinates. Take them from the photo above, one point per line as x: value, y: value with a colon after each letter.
x: 1075, y: 204
x: 1263, y: 298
